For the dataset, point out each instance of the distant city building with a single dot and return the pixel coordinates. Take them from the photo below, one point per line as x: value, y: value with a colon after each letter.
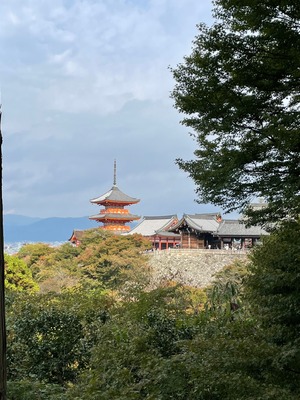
x: 114, y: 216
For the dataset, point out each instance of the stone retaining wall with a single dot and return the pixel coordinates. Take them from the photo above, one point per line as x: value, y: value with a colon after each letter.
x: 190, y: 267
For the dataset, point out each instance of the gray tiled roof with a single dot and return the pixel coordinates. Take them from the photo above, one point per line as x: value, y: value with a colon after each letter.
x: 238, y: 228
x: 77, y: 233
x: 148, y: 226
x: 199, y: 222
x: 114, y: 194
x: 167, y: 234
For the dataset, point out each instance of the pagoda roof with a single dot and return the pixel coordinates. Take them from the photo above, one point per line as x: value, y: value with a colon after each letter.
x: 237, y: 228
x: 114, y: 216
x: 114, y: 195
x: 152, y: 225
x: 198, y: 222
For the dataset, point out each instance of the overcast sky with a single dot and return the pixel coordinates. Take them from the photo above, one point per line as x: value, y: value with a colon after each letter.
x: 84, y: 82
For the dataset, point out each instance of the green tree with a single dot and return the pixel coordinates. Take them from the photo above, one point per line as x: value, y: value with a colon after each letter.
x: 32, y: 254
x: 29, y: 390
x: 113, y: 260
x: 54, y: 268
x: 50, y: 341
x: 50, y: 336
x: 58, y: 270
x: 18, y: 276
x: 273, y: 290
x: 239, y: 92
x: 103, y: 259
x: 133, y: 344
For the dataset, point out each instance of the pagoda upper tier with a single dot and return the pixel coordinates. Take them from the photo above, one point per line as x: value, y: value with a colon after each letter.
x: 114, y: 216
x: 115, y: 195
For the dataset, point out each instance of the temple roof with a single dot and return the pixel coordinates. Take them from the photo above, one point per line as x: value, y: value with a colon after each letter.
x: 114, y: 216
x: 150, y: 226
x: 198, y: 222
x: 168, y: 234
x: 77, y: 234
x: 114, y: 195
x: 237, y: 228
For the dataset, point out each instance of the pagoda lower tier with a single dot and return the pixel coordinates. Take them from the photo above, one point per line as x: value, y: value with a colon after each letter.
x: 115, y: 221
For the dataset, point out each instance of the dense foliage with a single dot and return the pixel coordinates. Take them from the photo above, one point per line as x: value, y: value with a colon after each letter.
x: 102, y: 259
x: 18, y: 276
x: 237, y: 339
x: 274, y: 295
x: 51, y: 335
x: 239, y: 92
x: 114, y: 259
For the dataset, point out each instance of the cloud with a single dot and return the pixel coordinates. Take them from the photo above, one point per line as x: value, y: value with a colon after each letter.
x: 106, y: 52
x: 84, y: 82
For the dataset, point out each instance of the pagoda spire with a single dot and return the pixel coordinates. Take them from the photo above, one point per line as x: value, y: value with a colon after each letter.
x: 115, y: 173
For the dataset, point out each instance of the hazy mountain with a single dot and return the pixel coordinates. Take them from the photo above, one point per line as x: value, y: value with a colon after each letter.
x: 18, y: 220
x: 18, y: 228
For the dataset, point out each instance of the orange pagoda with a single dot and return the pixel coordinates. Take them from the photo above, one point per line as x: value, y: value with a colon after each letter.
x: 114, y: 216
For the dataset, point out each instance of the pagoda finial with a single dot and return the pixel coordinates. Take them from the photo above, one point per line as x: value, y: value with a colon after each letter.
x: 115, y: 173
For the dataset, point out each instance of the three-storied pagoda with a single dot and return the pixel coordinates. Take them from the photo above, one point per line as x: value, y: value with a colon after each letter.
x: 114, y: 216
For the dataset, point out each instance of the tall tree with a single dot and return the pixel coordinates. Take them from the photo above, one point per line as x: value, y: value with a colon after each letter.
x: 2, y: 293
x: 239, y: 92
x: 273, y: 288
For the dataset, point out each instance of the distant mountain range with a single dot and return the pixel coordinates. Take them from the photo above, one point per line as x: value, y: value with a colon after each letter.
x: 18, y: 228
